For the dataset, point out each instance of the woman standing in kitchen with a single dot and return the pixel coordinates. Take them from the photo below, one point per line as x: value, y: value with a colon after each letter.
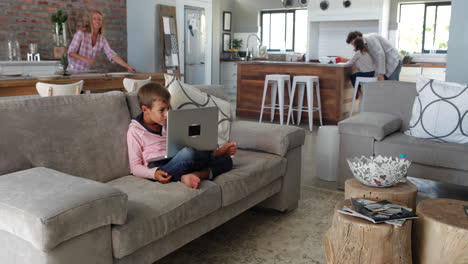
x: 88, y: 42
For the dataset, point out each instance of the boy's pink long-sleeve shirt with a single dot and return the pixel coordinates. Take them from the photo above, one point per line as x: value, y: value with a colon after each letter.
x: 142, y: 146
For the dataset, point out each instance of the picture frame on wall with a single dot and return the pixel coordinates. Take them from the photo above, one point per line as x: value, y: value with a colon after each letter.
x: 226, y: 41
x: 227, y: 19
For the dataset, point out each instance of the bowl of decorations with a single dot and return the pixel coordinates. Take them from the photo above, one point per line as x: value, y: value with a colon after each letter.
x: 379, y: 171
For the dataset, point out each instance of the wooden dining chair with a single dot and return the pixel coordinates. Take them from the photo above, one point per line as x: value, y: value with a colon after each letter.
x: 132, y: 85
x: 48, y: 89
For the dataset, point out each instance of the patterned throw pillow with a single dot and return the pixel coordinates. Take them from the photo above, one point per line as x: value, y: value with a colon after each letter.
x: 184, y: 96
x: 440, y: 111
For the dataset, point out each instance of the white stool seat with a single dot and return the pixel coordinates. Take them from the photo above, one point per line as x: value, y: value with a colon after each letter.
x: 132, y: 85
x: 356, y: 87
x: 277, y: 88
x: 307, y: 83
x: 48, y: 89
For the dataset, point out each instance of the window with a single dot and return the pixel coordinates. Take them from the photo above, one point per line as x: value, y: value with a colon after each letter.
x: 424, y: 28
x: 284, y: 30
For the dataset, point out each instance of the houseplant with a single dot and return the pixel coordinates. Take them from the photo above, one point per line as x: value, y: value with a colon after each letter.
x: 60, y: 33
x: 236, y: 44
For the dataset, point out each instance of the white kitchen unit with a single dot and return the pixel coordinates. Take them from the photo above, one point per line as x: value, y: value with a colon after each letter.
x: 229, y: 78
x: 409, y: 74
x: 29, y: 67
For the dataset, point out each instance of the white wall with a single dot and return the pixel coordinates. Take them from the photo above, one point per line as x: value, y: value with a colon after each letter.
x: 143, y: 33
x: 457, y: 57
x: 327, y: 29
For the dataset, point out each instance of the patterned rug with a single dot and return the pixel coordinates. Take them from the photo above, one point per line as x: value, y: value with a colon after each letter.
x: 261, y: 236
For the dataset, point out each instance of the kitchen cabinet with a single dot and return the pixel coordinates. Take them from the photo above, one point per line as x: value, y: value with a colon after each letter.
x: 408, y: 74
x: 229, y: 78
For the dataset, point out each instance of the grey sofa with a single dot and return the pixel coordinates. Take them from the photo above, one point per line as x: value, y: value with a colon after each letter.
x: 378, y: 130
x: 66, y: 195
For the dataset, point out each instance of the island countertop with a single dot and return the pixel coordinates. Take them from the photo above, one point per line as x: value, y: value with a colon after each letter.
x: 335, y: 88
x: 300, y: 63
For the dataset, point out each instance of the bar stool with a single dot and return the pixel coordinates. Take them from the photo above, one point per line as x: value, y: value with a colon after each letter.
x: 277, y: 88
x: 356, y: 87
x: 307, y: 82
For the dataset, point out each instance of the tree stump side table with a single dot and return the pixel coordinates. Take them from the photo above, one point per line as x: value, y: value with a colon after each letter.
x: 441, y: 232
x: 403, y: 192
x: 354, y: 240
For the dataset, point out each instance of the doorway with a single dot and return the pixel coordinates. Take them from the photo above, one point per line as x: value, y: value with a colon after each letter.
x: 195, y: 45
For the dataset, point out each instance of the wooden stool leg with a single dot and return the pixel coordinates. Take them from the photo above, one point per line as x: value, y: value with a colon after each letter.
x: 77, y: 90
x: 50, y: 91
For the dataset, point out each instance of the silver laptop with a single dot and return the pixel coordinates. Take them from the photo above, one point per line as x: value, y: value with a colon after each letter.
x: 196, y: 128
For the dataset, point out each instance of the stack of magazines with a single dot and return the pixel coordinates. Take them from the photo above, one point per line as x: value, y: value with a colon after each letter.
x: 379, y: 212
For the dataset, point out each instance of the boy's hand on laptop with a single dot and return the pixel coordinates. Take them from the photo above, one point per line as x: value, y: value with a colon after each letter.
x: 162, y: 176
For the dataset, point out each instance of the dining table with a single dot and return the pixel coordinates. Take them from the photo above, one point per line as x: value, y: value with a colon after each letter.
x: 93, y: 82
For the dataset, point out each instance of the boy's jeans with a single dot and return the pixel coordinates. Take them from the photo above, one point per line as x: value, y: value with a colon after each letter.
x: 189, y: 160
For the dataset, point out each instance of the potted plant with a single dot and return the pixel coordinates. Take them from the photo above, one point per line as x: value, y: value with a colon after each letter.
x: 64, y: 63
x: 60, y: 33
x: 407, y: 59
x: 236, y: 44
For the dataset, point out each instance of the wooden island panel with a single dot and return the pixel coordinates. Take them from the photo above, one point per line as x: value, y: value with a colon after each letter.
x: 335, y: 89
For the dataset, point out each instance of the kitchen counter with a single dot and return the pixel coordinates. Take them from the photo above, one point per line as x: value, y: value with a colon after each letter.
x: 335, y: 87
x: 301, y: 63
x: 17, y: 86
x: 426, y: 65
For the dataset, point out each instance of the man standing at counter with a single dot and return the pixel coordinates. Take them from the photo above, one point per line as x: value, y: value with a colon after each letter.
x: 386, y: 58
x: 88, y: 42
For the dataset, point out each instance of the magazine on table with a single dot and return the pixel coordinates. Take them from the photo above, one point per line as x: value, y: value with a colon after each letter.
x: 379, y: 212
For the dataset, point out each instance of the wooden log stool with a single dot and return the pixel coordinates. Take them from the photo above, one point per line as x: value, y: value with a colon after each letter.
x: 354, y: 240
x: 403, y: 192
x: 441, y: 232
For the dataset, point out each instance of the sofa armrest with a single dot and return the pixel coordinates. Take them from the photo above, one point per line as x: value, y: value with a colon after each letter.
x: 47, y: 207
x: 370, y: 124
x: 271, y: 138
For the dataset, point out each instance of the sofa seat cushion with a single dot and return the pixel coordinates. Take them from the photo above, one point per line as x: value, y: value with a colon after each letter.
x: 46, y: 207
x: 155, y: 210
x: 251, y: 171
x: 424, y: 151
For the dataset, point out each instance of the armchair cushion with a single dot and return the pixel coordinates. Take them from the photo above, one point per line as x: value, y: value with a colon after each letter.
x: 370, y: 124
x: 47, y: 207
x: 271, y: 138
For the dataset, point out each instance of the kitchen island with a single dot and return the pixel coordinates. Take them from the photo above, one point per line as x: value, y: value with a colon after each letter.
x: 26, y: 85
x: 335, y: 88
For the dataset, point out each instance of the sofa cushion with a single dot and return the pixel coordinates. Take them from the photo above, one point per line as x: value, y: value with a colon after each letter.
x: 440, y: 111
x: 260, y: 137
x: 252, y: 170
x: 82, y: 135
x: 47, y: 207
x: 424, y: 151
x: 155, y: 210
x: 370, y: 124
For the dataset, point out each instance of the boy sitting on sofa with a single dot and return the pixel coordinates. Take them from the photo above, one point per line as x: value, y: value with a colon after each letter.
x: 146, y: 139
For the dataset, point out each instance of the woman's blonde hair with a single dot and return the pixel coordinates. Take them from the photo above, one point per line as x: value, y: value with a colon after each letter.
x: 88, y: 24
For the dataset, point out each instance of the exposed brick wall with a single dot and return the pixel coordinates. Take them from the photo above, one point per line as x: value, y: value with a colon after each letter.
x: 30, y: 21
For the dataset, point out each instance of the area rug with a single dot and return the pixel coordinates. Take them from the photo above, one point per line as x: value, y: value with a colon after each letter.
x: 265, y: 236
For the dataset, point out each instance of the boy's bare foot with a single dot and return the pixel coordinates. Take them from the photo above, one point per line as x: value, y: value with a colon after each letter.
x: 191, y: 180
x: 227, y: 149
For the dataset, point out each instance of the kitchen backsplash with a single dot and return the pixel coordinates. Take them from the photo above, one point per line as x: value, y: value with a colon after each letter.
x: 30, y: 21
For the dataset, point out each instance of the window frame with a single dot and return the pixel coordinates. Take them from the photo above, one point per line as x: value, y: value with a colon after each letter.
x: 426, y: 4
x: 285, y: 11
